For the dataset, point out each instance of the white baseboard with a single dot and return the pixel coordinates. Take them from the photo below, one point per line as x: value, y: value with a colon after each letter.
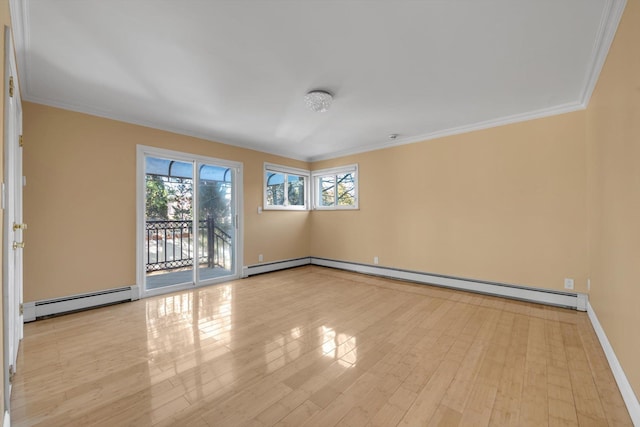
x: 629, y: 397
x: 544, y: 296
x: 29, y: 312
x: 37, y: 309
x: 135, y: 292
x: 252, y: 270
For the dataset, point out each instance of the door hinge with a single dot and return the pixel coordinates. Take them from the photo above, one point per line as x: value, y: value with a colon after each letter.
x: 20, y: 141
x: 17, y: 227
x: 21, y: 309
x: 12, y: 373
x: 11, y: 86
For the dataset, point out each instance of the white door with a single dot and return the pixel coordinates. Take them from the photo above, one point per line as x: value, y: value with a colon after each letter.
x: 13, y: 225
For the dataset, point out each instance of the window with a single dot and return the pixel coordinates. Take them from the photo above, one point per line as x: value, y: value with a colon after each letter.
x: 336, y: 188
x: 285, y: 188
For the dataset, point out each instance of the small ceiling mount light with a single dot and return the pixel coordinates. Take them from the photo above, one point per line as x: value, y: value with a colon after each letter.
x: 393, y: 136
x: 318, y: 100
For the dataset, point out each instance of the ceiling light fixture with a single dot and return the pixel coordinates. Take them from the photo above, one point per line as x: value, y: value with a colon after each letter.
x: 318, y: 100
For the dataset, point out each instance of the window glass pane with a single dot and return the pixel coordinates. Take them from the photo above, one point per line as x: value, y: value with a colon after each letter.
x: 215, y: 173
x: 285, y: 188
x: 296, y: 190
x: 346, y: 190
x: 327, y: 190
x: 168, y: 168
x: 275, y: 188
x: 181, y: 169
x: 155, y: 166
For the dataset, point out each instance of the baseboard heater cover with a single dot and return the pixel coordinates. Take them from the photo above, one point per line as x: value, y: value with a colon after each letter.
x: 268, y: 267
x: 576, y: 301
x: 43, y: 308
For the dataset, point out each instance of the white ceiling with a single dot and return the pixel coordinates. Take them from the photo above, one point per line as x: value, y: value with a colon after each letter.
x: 237, y: 71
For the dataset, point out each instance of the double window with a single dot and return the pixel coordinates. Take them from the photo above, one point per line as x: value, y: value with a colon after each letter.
x: 285, y: 188
x: 336, y: 188
x: 290, y: 188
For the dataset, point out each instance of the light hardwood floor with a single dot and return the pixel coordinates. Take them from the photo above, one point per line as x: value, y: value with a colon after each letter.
x: 320, y: 347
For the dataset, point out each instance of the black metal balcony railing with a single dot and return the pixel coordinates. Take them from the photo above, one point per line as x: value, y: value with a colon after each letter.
x: 170, y: 245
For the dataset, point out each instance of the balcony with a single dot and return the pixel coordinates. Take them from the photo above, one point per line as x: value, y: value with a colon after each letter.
x: 171, y: 252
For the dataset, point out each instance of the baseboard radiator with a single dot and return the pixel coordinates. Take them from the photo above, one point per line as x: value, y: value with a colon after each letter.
x: 44, y: 308
x: 577, y: 301
x: 268, y: 267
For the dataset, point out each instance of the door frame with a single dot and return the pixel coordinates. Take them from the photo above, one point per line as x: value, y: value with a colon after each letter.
x: 142, y: 151
x: 12, y: 188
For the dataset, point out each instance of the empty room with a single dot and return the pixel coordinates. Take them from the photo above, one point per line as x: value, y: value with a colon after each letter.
x: 320, y: 213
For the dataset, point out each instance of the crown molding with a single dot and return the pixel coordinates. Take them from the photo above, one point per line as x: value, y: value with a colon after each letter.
x: 610, y: 20
x: 177, y: 130
x: 606, y: 33
x: 20, y: 30
x: 516, y: 118
x: 562, y: 109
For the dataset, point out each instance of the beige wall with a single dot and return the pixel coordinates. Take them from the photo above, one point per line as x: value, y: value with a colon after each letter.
x: 505, y: 204
x: 613, y: 135
x: 81, y: 193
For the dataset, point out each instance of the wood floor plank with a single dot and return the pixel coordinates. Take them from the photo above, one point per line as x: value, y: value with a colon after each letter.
x: 319, y: 347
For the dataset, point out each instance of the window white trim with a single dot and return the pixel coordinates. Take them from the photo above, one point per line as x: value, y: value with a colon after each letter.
x: 317, y: 174
x: 285, y: 170
x: 336, y: 170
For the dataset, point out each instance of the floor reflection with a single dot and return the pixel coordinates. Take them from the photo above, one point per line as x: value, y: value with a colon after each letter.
x: 169, y: 321
x: 341, y: 347
x: 282, y: 349
x: 190, y: 328
x: 288, y: 346
x: 217, y: 315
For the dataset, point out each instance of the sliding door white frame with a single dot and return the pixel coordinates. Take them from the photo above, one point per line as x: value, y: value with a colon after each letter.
x: 237, y: 208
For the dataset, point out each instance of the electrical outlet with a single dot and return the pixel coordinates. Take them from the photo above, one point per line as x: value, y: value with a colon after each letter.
x: 376, y: 260
x: 568, y: 283
x: 588, y: 284
x: 260, y: 258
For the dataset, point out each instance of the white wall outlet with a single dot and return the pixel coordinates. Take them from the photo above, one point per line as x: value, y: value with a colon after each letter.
x: 588, y: 284
x: 376, y: 260
x: 260, y: 258
x: 259, y: 210
x: 568, y: 283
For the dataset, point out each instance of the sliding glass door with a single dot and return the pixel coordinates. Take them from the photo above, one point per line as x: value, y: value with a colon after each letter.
x: 216, y: 221
x: 188, y: 218
x: 169, y: 237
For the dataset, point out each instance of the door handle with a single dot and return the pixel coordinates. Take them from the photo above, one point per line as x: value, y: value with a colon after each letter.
x: 17, y: 227
x: 17, y: 245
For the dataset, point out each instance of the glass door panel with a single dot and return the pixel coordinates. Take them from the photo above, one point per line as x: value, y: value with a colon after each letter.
x: 169, y: 245
x: 188, y: 220
x: 216, y: 224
